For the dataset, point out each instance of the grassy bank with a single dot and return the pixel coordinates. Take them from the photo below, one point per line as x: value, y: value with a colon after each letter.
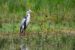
x: 40, y: 41
x: 52, y: 25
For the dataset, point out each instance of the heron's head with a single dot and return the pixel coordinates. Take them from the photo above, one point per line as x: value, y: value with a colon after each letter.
x: 28, y: 12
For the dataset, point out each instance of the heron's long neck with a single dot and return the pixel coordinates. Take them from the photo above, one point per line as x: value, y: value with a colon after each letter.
x: 28, y: 16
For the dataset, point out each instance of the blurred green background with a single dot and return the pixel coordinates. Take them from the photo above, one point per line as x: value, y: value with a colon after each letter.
x: 52, y: 25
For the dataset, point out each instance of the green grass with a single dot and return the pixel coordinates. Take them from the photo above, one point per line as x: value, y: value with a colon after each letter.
x: 44, y: 32
x: 50, y: 41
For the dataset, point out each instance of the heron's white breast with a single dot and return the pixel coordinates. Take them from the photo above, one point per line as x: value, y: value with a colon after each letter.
x: 28, y: 19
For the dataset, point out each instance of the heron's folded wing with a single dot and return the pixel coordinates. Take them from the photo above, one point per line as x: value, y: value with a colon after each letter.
x: 23, y: 20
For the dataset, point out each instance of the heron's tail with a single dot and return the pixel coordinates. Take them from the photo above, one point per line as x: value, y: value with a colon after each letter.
x: 22, y: 32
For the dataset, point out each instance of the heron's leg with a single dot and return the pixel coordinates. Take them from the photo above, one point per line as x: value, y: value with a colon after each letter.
x: 23, y: 33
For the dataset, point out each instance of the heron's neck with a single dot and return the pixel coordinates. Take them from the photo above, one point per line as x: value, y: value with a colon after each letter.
x: 28, y: 15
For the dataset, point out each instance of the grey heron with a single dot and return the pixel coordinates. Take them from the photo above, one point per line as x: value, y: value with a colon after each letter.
x: 25, y: 22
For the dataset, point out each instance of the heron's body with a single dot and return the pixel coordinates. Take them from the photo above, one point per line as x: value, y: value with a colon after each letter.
x: 25, y: 22
x: 23, y: 25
